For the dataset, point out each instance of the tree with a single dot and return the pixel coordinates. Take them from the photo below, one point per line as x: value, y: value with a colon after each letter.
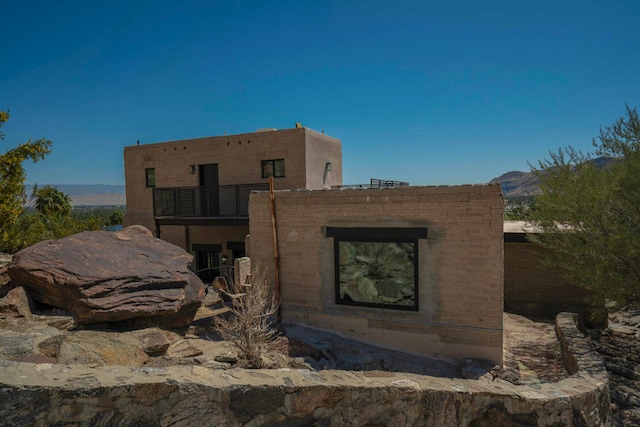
x: 13, y: 176
x: 589, y: 211
x: 51, y: 201
x: 519, y: 208
x: 115, y: 218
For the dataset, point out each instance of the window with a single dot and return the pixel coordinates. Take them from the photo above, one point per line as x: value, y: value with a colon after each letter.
x: 150, y: 177
x: 274, y: 168
x: 377, y: 267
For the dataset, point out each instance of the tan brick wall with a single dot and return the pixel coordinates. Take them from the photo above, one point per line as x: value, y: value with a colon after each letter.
x: 186, y: 236
x: 176, y: 234
x: 460, y: 265
x: 239, y: 160
x: 534, y: 289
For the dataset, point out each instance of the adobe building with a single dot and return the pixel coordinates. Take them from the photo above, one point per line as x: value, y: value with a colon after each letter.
x: 418, y: 269
x: 195, y: 193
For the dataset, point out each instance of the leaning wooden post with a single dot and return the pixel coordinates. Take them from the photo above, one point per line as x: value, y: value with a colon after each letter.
x: 276, y: 254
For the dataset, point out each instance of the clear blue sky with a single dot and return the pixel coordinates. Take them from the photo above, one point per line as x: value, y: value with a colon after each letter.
x: 427, y: 92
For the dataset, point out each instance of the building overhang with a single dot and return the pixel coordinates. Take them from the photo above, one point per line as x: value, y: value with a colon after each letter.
x: 220, y: 222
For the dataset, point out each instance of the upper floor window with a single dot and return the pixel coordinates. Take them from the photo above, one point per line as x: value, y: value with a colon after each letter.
x: 274, y: 168
x: 150, y: 177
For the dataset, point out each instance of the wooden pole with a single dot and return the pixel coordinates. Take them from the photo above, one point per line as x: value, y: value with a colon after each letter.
x: 276, y: 254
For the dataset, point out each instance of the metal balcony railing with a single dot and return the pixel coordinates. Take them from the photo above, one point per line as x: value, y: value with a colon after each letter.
x: 223, y: 201
x: 376, y: 183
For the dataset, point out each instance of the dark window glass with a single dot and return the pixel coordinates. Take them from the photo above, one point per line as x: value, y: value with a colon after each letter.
x: 377, y: 267
x: 278, y: 168
x: 150, y: 177
x: 274, y: 168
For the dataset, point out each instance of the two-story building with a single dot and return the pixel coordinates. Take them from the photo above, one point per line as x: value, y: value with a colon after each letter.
x: 194, y: 193
x: 418, y: 269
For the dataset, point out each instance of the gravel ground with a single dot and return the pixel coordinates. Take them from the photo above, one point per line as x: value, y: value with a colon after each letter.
x: 532, y: 354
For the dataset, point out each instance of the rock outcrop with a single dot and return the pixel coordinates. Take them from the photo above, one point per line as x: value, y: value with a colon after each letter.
x: 205, y: 394
x: 127, y: 277
x: 619, y: 347
x: 156, y: 377
x: 5, y: 259
x: 16, y: 303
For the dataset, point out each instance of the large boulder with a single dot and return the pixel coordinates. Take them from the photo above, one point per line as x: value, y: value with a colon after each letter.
x: 16, y: 304
x: 128, y: 277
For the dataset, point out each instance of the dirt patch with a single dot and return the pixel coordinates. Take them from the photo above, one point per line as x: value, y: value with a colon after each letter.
x: 532, y: 354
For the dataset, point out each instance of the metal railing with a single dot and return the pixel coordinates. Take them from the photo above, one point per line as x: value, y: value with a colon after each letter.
x: 223, y: 201
x: 376, y: 183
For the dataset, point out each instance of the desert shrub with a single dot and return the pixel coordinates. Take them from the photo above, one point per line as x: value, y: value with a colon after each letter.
x: 248, y: 326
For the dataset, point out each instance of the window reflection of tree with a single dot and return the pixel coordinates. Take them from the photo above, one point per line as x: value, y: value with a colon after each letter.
x: 377, y: 272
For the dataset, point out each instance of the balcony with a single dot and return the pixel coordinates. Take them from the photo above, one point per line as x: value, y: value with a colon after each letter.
x: 223, y: 202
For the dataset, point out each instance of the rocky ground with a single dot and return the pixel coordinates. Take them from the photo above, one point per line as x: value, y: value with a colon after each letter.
x: 619, y: 347
x: 531, y: 353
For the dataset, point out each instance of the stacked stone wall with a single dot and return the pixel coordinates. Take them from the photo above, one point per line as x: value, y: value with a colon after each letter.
x: 57, y: 394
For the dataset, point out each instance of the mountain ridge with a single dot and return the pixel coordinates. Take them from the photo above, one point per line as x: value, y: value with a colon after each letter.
x: 78, y: 189
x: 89, y: 194
x: 518, y: 184
x: 523, y: 184
x: 513, y: 184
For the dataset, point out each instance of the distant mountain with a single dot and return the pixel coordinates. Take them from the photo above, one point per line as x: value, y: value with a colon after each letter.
x: 84, y: 189
x: 90, y: 194
x: 519, y: 184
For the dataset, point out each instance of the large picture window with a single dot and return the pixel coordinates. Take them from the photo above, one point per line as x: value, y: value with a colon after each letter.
x: 274, y: 168
x: 377, y: 267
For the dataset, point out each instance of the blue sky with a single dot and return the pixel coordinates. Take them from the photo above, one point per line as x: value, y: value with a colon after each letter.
x: 427, y: 92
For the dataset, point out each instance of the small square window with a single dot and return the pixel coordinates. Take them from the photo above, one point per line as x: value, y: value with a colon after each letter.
x: 150, y: 177
x: 274, y: 168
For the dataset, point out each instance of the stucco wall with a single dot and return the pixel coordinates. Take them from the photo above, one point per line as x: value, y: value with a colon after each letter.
x: 460, y: 264
x: 321, y: 150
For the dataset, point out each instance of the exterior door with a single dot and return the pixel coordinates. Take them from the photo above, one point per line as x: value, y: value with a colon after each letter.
x: 207, y: 261
x: 209, y: 192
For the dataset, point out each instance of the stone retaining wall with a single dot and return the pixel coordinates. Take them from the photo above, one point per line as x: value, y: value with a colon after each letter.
x: 46, y: 394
